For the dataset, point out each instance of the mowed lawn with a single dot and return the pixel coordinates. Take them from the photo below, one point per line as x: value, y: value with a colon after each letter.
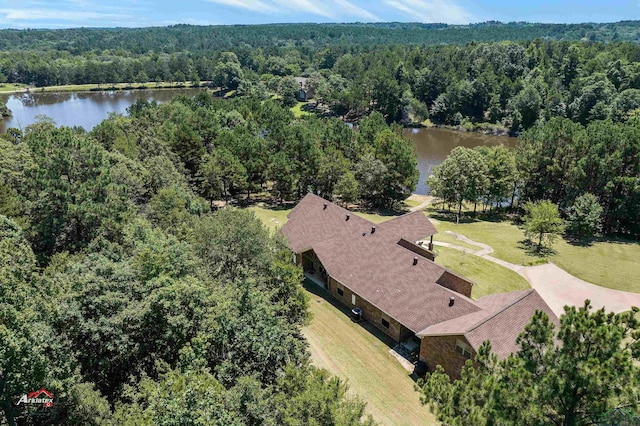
x: 488, y: 277
x: 359, y: 353
x: 607, y: 263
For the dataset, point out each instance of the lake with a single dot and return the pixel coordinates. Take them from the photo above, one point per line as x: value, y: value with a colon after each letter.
x: 434, y: 145
x: 87, y: 109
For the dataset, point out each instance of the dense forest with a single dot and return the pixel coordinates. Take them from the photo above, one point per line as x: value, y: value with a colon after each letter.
x: 193, y: 38
x: 132, y: 300
x: 499, y: 86
x: 136, y: 298
x: 135, y: 292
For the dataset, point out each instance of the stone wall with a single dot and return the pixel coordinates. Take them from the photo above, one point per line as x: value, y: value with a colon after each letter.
x: 456, y: 283
x: 373, y: 315
x: 441, y: 350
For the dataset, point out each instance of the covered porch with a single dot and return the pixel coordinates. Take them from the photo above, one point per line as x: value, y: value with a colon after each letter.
x: 313, y: 269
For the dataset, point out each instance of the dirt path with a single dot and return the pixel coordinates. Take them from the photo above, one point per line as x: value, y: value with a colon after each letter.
x: 424, y: 200
x: 556, y: 286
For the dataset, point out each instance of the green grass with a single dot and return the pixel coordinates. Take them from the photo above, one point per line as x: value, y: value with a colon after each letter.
x: 297, y: 110
x: 272, y: 218
x: 12, y: 87
x: 612, y: 264
x: 360, y: 354
x: 412, y: 203
x: 504, y: 237
x: 446, y: 238
x: 607, y: 263
x: 9, y: 88
x: 489, y: 277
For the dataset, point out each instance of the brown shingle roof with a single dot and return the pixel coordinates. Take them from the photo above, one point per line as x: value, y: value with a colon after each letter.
x: 310, y: 223
x: 374, y: 266
x: 382, y: 272
x: 411, y: 226
x: 502, y: 318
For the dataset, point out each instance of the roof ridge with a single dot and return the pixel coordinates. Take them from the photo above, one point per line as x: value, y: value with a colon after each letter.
x: 401, y: 216
x: 499, y: 311
x: 345, y: 210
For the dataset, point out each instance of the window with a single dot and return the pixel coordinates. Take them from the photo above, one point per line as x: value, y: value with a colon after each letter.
x: 340, y: 291
x: 385, y: 323
x: 353, y: 299
x: 463, y: 349
x: 295, y: 259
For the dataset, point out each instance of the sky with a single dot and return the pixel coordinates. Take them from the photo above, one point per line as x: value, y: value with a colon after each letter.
x: 139, y: 13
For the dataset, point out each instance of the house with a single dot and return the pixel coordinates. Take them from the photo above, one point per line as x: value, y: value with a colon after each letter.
x: 305, y: 93
x: 384, y: 270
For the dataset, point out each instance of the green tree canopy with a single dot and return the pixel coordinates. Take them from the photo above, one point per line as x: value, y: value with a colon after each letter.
x: 554, y: 378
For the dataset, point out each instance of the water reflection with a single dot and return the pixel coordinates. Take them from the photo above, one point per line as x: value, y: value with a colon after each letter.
x: 434, y: 145
x: 85, y: 109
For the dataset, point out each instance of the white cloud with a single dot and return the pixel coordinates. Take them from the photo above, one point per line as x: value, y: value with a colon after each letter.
x: 253, y: 5
x: 337, y: 10
x: 304, y: 6
x: 432, y: 10
x: 351, y: 9
x: 63, y: 15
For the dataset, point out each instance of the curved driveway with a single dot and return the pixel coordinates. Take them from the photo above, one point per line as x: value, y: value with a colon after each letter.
x: 555, y: 285
x: 558, y: 288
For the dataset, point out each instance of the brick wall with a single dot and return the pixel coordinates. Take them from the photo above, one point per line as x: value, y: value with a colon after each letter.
x: 456, y: 283
x: 441, y: 350
x: 417, y: 249
x: 373, y: 315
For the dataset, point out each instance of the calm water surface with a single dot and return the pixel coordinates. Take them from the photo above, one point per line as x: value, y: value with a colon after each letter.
x: 434, y: 145
x: 87, y: 109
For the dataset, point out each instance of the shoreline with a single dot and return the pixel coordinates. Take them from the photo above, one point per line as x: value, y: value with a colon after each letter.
x: 94, y: 87
x: 482, y: 128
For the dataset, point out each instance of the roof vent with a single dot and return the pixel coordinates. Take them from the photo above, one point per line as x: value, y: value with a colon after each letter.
x: 348, y: 216
x: 324, y: 207
x: 415, y: 261
x: 452, y: 300
x: 373, y: 229
x: 364, y: 233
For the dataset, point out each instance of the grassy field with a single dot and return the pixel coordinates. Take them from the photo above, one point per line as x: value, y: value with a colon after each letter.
x: 504, y: 237
x: 612, y: 264
x: 489, y: 278
x: 360, y: 354
x: 298, y: 111
x: 272, y: 218
x: 607, y: 263
x: 13, y: 88
x: 446, y: 238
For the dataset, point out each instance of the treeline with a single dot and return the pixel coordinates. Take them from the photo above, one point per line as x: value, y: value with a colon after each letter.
x: 126, y: 297
x: 505, y: 86
x: 233, y: 148
x: 592, y: 173
x: 178, y: 38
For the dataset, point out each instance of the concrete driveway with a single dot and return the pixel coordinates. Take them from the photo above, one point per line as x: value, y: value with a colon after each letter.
x: 558, y: 288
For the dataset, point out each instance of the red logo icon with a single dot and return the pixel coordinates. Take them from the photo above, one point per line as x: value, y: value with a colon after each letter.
x: 42, y: 396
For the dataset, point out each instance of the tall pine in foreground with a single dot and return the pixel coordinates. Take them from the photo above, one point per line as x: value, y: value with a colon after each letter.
x: 577, y: 375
